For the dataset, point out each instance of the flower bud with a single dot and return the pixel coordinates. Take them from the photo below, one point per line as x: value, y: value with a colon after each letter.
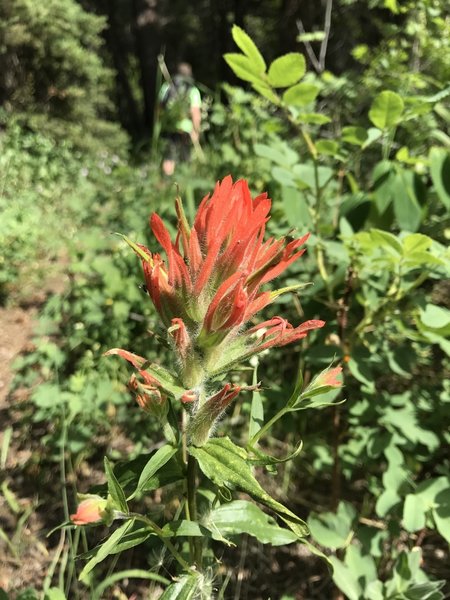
x: 324, y: 382
x: 93, y: 509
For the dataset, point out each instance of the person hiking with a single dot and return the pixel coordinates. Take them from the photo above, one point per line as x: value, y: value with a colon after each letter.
x: 180, y: 103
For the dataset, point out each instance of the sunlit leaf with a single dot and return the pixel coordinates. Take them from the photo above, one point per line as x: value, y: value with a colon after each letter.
x: 386, y: 110
x: 287, y: 69
x: 248, y: 47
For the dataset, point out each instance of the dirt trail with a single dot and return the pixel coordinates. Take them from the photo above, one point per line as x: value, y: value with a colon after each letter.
x: 16, y: 326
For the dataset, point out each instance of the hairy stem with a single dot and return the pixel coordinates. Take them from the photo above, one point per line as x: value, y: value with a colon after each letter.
x: 192, y: 504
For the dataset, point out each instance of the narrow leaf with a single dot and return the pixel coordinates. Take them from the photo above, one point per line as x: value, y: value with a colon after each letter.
x: 128, y: 574
x: 114, y: 489
x: 144, y: 255
x: 158, y: 460
x: 106, y: 549
x: 257, y: 408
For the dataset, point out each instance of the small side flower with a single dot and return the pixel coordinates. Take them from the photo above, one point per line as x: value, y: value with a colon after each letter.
x: 324, y: 382
x: 92, y: 509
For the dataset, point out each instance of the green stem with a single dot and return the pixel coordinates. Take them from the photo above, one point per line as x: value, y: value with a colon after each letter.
x: 160, y: 533
x: 267, y: 426
x: 192, y: 504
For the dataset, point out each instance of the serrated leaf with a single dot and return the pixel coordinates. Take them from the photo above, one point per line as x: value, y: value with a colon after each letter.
x: 287, y: 69
x: 114, y: 488
x: 386, y: 110
x: 248, y: 47
x: 244, y: 68
x: 241, y: 516
x: 155, y: 463
x: 301, y: 94
x: 267, y: 92
x: 225, y: 464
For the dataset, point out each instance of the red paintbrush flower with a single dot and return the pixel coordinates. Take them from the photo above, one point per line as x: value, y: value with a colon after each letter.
x: 209, y: 286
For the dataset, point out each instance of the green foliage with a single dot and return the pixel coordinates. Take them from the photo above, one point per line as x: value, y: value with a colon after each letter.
x: 51, y: 74
x: 363, y: 165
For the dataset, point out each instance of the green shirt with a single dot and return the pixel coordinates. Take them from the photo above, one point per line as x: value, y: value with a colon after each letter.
x: 180, y: 106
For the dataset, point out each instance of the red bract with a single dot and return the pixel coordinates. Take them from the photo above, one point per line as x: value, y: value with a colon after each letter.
x: 215, y: 269
x: 329, y: 378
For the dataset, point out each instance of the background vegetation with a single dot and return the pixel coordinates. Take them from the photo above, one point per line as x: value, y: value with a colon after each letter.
x: 352, y: 144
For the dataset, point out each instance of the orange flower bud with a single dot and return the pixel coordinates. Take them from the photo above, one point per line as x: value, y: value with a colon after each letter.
x: 90, y: 510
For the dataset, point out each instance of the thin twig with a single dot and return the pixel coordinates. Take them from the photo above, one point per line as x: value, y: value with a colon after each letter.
x: 318, y: 63
x: 309, y: 49
x: 327, y: 30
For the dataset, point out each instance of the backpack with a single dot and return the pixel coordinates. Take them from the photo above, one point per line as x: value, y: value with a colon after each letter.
x: 179, y: 89
x: 176, y: 102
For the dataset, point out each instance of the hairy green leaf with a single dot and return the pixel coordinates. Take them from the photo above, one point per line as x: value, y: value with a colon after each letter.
x: 241, y: 516
x: 225, y: 464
